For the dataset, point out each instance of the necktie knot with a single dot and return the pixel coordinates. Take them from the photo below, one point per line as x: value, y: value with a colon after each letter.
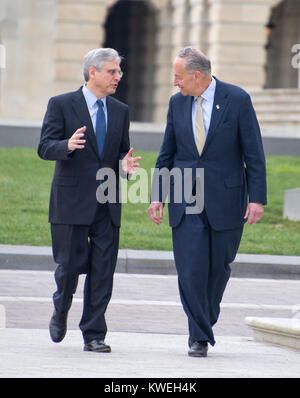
x: 100, y: 103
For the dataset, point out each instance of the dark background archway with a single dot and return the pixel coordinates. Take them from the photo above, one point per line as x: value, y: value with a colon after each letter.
x: 283, y: 32
x: 130, y: 28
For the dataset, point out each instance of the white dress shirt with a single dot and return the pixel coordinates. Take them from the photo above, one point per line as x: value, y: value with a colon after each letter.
x: 91, y: 101
x: 207, y: 105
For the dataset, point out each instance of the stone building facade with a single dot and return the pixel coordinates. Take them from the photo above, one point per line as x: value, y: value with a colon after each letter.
x: 249, y: 43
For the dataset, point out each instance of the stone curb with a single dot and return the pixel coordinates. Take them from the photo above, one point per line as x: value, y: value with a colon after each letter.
x: 154, y: 262
x: 280, y: 331
x: 145, y: 137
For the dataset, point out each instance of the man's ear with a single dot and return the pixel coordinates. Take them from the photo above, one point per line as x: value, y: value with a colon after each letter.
x: 92, y: 72
x: 198, y: 75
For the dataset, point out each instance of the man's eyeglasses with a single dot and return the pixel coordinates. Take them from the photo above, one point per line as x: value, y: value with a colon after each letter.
x: 114, y: 72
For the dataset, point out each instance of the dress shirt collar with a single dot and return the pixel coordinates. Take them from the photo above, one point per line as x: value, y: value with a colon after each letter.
x: 91, y: 99
x: 209, y: 93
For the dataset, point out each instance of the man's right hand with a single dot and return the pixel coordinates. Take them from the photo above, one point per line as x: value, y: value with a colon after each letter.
x: 155, y: 211
x: 76, y: 141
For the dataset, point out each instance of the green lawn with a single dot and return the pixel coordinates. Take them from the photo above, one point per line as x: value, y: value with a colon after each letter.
x: 25, y: 185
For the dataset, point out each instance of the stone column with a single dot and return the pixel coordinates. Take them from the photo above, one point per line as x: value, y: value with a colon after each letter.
x: 173, y: 34
x: 283, y: 36
x: 27, y: 32
x: 180, y: 22
x: 237, y: 37
x: 163, y: 60
x: 180, y: 31
x: 199, y: 24
x: 79, y: 28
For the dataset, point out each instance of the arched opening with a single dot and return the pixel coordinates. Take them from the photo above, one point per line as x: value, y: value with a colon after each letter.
x: 283, y: 31
x: 130, y: 28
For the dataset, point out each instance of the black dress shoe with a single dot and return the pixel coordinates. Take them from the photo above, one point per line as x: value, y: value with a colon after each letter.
x: 198, y: 349
x: 58, y: 326
x: 97, y: 345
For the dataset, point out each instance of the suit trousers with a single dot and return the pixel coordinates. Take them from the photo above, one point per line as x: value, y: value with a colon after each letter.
x: 202, y: 257
x: 91, y: 250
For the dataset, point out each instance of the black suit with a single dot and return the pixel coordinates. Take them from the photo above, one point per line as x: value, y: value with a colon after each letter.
x: 84, y: 233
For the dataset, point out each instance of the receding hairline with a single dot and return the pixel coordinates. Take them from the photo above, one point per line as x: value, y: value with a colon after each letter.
x: 195, y: 60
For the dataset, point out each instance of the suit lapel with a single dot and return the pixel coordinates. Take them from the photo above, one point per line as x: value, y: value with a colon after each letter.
x: 82, y: 112
x: 219, y: 107
x: 187, y: 112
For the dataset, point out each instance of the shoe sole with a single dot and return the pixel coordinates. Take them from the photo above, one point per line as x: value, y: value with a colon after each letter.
x: 104, y: 350
x: 197, y: 354
x: 55, y: 340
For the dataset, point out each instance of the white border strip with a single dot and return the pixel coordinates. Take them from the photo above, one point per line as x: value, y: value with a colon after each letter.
x: 248, y: 306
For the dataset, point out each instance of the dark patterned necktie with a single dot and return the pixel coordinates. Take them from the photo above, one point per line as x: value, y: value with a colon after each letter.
x: 100, y: 127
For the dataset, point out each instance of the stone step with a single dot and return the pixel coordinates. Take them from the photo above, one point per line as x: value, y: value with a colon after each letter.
x: 279, y: 119
x: 283, y: 124
x: 280, y: 331
x: 278, y: 108
x: 280, y: 92
x: 287, y: 133
x: 276, y: 100
x: 290, y: 118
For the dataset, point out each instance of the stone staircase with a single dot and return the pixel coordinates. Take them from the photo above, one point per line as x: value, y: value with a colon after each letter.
x: 278, y: 112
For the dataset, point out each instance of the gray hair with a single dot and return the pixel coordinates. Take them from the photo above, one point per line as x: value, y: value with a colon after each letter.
x: 97, y: 58
x: 195, y: 60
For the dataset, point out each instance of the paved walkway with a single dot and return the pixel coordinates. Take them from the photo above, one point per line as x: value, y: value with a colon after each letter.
x: 30, y: 353
x: 147, y: 331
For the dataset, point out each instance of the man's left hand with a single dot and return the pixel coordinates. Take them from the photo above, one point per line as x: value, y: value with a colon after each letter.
x: 254, y: 212
x: 130, y: 164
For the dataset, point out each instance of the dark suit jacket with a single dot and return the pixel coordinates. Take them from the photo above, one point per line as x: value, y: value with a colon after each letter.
x: 232, y: 158
x: 73, y: 192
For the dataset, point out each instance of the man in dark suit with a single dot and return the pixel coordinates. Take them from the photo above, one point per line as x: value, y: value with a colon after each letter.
x: 85, y: 131
x: 211, y: 126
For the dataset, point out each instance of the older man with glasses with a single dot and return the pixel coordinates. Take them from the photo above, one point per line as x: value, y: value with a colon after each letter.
x: 84, y: 131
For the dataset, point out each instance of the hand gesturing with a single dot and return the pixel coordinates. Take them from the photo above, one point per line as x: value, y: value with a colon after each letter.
x: 76, y: 141
x: 130, y: 164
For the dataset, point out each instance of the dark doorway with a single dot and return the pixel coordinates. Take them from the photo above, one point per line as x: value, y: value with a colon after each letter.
x: 130, y: 28
x: 283, y: 31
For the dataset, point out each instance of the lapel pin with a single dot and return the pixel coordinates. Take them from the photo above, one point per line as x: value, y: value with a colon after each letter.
x: 218, y: 106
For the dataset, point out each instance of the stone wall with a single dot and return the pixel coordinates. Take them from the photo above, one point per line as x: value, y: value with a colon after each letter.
x: 27, y: 30
x: 46, y: 40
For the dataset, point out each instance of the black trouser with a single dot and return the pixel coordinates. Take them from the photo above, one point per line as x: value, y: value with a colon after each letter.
x: 90, y: 249
x: 202, y: 257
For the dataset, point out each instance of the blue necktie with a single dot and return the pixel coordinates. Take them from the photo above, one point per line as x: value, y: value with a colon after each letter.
x: 100, y: 127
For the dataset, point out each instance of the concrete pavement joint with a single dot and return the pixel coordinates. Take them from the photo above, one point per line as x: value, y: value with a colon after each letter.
x: 154, y: 303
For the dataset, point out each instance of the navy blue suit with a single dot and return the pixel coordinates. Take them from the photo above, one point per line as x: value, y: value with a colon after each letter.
x: 234, y: 173
x: 85, y: 233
